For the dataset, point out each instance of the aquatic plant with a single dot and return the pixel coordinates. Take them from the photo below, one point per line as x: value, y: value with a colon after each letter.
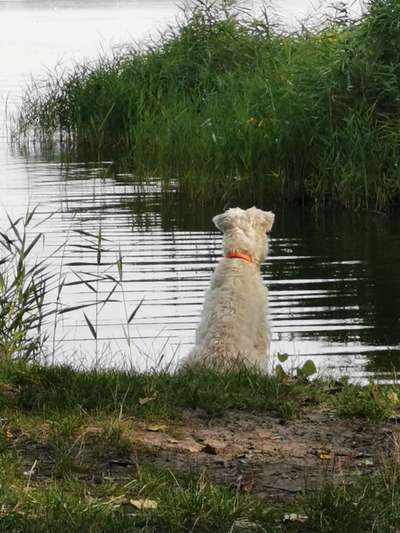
x: 23, y: 286
x: 228, y: 105
x: 31, y: 290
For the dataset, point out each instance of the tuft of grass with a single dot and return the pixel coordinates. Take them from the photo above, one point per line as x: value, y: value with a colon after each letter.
x: 368, y: 504
x: 228, y: 105
x: 373, y: 401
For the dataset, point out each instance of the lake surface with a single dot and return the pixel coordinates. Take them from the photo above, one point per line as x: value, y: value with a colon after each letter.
x: 333, y: 276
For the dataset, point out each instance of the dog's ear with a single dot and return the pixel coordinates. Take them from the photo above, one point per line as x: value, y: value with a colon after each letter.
x: 268, y: 220
x: 227, y: 220
x: 264, y: 219
x: 222, y: 221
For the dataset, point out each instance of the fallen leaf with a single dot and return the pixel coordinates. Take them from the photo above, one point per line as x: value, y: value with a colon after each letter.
x: 120, y: 462
x: 246, y: 485
x: 276, y: 437
x: 365, y: 462
x: 244, y: 524
x: 294, y: 517
x: 325, y: 456
x: 144, y: 504
x: 192, y: 449
x: 143, y: 401
x: 157, y: 427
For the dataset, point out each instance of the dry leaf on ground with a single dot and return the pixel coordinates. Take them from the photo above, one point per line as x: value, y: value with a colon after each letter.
x: 143, y: 401
x: 294, y: 517
x: 144, y: 504
x: 157, y: 427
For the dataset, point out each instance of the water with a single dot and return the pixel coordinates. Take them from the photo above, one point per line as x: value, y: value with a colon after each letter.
x: 333, y: 276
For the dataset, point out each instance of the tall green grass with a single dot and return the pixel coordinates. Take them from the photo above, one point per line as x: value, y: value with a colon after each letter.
x: 23, y: 287
x: 227, y: 105
x: 32, y: 289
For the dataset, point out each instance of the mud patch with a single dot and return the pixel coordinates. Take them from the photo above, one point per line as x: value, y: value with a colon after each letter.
x: 253, y: 453
x: 265, y: 456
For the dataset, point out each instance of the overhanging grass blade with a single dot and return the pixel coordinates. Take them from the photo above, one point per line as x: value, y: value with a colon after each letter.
x: 91, y: 327
x: 132, y: 315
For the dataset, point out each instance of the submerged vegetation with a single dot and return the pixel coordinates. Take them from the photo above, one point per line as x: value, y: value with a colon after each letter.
x: 225, y: 104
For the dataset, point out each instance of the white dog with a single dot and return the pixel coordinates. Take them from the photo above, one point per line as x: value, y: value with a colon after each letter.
x: 233, y: 327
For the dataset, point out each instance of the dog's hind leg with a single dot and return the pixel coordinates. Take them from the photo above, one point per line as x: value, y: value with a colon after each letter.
x: 262, y: 345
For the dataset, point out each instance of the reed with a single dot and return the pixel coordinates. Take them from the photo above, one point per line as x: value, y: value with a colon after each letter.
x: 23, y: 286
x: 32, y: 285
x: 230, y: 105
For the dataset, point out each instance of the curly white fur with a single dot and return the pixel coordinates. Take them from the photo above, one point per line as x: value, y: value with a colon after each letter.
x: 233, y: 327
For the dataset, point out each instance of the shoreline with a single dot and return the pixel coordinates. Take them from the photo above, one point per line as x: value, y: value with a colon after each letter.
x: 81, y: 442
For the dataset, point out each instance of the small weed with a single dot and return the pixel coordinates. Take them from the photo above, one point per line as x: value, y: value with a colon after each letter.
x: 374, y: 402
x: 65, y: 445
x: 111, y: 436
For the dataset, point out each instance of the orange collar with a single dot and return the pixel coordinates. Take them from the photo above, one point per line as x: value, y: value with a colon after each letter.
x: 239, y: 255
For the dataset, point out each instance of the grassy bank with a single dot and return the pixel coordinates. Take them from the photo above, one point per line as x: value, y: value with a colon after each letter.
x: 73, y: 456
x: 230, y: 106
x: 163, y: 395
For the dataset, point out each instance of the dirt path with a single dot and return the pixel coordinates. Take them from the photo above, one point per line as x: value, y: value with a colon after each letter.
x: 263, y: 455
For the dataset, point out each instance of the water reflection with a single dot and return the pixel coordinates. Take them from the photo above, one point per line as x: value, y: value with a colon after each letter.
x: 334, y: 285
x: 349, y: 281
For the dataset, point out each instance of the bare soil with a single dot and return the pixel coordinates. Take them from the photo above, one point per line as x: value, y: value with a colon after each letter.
x: 263, y: 455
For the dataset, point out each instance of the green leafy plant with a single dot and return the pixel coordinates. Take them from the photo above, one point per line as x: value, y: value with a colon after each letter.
x: 303, y: 372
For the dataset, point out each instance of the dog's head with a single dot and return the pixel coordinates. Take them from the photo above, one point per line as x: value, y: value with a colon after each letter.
x: 245, y: 231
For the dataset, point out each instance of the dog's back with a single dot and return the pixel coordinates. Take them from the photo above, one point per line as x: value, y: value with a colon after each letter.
x: 233, y: 307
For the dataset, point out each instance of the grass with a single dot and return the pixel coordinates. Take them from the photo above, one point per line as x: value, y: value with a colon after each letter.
x: 23, y: 286
x: 372, y: 402
x: 180, y: 505
x: 60, y: 427
x: 190, y: 504
x: 365, y: 505
x: 36, y: 389
x: 229, y: 106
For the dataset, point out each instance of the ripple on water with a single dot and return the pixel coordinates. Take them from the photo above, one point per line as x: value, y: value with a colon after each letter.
x: 334, y: 290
